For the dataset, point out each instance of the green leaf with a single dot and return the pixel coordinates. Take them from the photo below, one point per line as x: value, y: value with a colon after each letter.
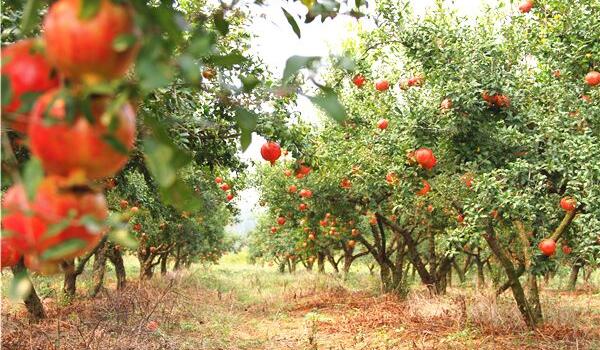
x: 33, y: 174
x: 250, y: 82
x: 20, y: 286
x: 124, y: 238
x: 123, y: 42
x: 246, y: 119
x: 295, y: 63
x: 30, y: 15
x: 292, y: 22
x: 220, y: 23
x: 158, y: 157
x: 329, y: 103
x: 181, y: 196
x: 64, y: 249
x: 89, y: 9
x: 115, y: 143
x: 227, y: 61
x: 189, y: 68
x: 245, y: 139
x: 6, y: 90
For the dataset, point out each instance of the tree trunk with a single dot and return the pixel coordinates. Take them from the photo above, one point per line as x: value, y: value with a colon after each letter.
x: 348, y: 259
x: 163, y: 263
x: 321, y: 262
x: 70, y: 279
x: 333, y: 263
x: 534, y: 297
x: 115, y: 257
x: 480, y: 273
x: 32, y: 301
x: 281, y: 267
x: 517, y: 289
x: 573, y: 276
x: 98, y: 269
x: 459, y: 272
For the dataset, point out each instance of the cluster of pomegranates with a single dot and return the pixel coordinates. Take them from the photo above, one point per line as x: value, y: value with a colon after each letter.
x: 381, y: 85
x: 225, y: 187
x: 78, y: 139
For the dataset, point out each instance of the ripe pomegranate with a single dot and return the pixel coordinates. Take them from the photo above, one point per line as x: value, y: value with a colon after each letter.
x: 556, y: 73
x: 345, y: 184
x: 123, y: 204
x: 84, y: 49
x: 592, y: 78
x: 382, y: 124
x: 229, y: 197
x: 568, y: 203
x: 281, y: 220
x: 225, y: 187
x: 323, y: 223
x: 382, y: 85
x: 425, y: 189
x: 28, y: 72
x: 287, y: 172
x: 391, y: 178
x: 415, y: 81
x: 446, y: 105
x: 303, y: 170
x: 303, y: 206
x: 354, y: 232
x: 468, y: 180
x: 292, y: 189
x: 9, y: 256
x: 209, y: 73
x: 460, y: 218
x: 305, y: 193
x: 51, y: 218
x: 526, y: 6
x: 566, y: 249
x: 327, y: 215
x: 497, y: 100
x: 425, y: 158
x: 359, y: 80
x: 273, y: 229
x: 80, y: 147
x: 218, y: 180
x: 373, y: 220
x: 311, y: 236
x: 547, y: 246
x: 495, y: 214
x: 430, y: 208
x: 351, y: 244
x: 137, y: 227
x: 134, y: 209
x: 270, y: 151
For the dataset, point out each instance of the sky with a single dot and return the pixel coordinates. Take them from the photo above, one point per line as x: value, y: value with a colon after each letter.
x: 274, y: 42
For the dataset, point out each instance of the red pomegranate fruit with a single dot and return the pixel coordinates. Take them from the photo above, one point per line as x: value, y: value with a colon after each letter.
x: 382, y: 85
x: 50, y: 228
x: 382, y: 124
x: 28, y: 72
x: 547, y: 247
x: 359, y: 80
x: 568, y: 203
x: 85, y: 49
x: 425, y: 158
x: 81, y: 147
x: 592, y: 78
x: 270, y: 151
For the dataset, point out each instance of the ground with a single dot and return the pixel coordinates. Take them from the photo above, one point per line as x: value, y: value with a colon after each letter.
x: 235, y: 305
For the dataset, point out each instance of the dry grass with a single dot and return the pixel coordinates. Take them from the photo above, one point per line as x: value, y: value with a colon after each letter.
x: 241, y: 307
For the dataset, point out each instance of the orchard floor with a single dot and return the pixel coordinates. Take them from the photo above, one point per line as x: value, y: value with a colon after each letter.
x: 238, y: 306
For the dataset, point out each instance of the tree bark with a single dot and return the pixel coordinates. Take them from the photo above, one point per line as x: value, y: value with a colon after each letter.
x: 98, y: 269
x: 33, y: 304
x: 574, y: 274
x: 480, y: 272
x: 534, y: 297
x: 163, y: 263
x: 519, y: 295
x: 70, y: 279
x: 115, y: 257
x: 321, y: 262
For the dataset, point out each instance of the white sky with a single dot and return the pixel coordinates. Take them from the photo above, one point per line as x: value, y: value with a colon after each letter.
x: 275, y: 41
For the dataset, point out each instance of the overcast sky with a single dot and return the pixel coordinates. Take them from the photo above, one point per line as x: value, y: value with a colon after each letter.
x: 275, y: 42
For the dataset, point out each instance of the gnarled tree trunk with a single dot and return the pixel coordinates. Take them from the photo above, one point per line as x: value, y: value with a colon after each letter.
x: 98, y: 269
x: 116, y: 258
x: 32, y: 301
